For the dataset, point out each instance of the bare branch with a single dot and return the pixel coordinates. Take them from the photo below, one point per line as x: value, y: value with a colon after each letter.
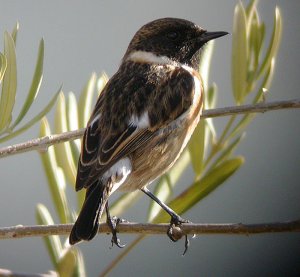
x: 154, y: 229
x: 43, y: 143
x: 257, y: 108
x: 9, y: 273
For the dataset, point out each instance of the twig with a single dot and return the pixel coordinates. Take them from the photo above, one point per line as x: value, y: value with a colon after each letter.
x: 154, y: 229
x: 9, y: 273
x: 44, y: 142
x: 257, y: 108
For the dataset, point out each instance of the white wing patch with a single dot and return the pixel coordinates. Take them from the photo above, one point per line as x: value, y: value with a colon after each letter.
x: 118, y: 173
x: 141, y: 122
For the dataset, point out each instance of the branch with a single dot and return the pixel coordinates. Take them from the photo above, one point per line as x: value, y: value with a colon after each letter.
x: 154, y: 229
x: 43, y: 143
x: 257, y: 108
x: 9, y: 273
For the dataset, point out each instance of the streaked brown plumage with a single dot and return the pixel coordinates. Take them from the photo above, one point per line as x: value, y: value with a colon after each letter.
x: 143, y: 118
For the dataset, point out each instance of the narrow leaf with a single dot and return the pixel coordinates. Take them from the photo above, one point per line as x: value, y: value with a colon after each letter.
x: 228, y: 150
x: 197, y: 147
x: 14, y: 33
x: 9, y: 85
x: 55, y: 177
x: 101, y: 82
x: 3, y: 65
x: 34, y: 120
x: 239, y: 67
x: 63, y: 151
x: 35, y: 85
x: 205, y: 64
x: 246, y: 119
x: 80, y: 268
x: 72, y: 124
x: 250, y: 12
x: 211, y: 96
x: 52, y: 243
x: 85, y: 101
x: 274, y: 43
x: 67, y: 264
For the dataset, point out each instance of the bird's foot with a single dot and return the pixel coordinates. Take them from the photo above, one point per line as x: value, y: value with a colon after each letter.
x: 113, y: 224
x: 175, y: 232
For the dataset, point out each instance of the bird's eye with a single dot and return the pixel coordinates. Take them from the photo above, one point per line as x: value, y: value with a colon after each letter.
x: 173, y: 35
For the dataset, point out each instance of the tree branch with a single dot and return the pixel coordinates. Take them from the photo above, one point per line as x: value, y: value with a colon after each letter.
x: 21, y: 231
x: 43, y: 143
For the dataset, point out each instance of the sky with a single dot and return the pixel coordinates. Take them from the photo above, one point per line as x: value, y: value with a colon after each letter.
x: 82, y: 37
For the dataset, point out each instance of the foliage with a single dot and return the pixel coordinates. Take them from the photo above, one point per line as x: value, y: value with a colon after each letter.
x: 60, y: 167
x: 8, y: 82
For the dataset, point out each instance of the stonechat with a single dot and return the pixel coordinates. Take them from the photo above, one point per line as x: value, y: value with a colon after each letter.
x: 143, y: 119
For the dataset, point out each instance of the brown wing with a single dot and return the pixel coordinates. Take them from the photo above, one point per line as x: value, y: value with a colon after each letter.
x: 110, y: 136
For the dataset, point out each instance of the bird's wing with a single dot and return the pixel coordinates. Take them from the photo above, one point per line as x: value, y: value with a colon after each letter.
x: 104, y: 145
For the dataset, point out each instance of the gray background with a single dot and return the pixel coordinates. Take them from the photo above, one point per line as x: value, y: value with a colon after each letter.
x: 86, y: 36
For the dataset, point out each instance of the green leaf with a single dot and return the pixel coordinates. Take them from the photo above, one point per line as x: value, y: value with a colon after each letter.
x: 72, y: 112
x: 246, y: 119
x: 9, y: 85
x: 63, y: 151
x: 197, y: 147
x: 34, y: 120
x: 201, y: 188
x: 250, y: 13
x: 240, y: 53
x: 14, y: 33
x: 35, y: 85
x: 205, y: 64
x: 85, y: 101
x: 55, y: 177
x: 211, y: 96
x: 67, y: 263
x: 228, y: 150
x: 250, y: 8
x: 80, y: 269
x: 72, y: 124
x: 52, y: 243
x: 254, y: 35
x: 3, y: 65
x: 101, y: 82
x: 274, y: 43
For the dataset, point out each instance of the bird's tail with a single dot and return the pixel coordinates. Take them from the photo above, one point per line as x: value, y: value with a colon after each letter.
x: 87, y: 223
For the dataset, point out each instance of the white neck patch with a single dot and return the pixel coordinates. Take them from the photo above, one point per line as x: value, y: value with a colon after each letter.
x: 148, y: 57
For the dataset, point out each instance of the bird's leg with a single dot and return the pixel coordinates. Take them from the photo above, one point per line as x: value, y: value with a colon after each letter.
x: 174, y: 232
x: 113, y: 222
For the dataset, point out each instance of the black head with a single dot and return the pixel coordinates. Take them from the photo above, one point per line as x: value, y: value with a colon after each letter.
x: 177, y: 39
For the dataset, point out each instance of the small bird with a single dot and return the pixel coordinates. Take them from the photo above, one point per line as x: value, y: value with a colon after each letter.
x: 142, y: 121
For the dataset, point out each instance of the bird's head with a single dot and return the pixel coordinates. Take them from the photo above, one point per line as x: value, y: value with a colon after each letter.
x: 171, y: 38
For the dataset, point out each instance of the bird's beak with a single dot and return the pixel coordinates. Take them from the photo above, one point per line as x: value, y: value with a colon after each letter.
x: 207, y: 36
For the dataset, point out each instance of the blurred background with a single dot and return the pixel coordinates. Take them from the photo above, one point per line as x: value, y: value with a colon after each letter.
x: 82, y: 37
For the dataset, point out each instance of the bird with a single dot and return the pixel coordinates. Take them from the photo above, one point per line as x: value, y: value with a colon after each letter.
x: 142, y: 120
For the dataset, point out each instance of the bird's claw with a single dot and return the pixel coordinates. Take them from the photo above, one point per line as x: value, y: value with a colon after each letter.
x: 175, y: 232
x: 113, y: 223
